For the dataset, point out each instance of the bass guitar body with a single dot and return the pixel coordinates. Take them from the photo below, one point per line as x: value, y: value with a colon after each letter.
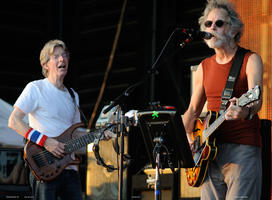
x: 44, y: 165
x: 203, y: 151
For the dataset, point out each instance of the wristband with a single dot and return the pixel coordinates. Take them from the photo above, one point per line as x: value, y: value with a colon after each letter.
x: 35, y: 136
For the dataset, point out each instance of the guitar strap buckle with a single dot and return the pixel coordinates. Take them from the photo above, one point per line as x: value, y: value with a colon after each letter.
x: 226, y: 95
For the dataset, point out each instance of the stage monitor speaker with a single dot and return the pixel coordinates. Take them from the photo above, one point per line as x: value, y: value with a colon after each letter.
x: 14, y: 182
x: 101, y: 184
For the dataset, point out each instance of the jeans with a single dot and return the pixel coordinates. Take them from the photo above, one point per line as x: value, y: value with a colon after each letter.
x: 66, y: 186
x: 235, y: 174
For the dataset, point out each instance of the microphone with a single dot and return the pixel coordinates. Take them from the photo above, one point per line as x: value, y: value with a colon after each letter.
x: 197, y: 34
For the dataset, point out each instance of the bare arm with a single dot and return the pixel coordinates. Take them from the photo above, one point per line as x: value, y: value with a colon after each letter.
x: 196, y: 104
x: 254, y: 72
x: 17, y: 123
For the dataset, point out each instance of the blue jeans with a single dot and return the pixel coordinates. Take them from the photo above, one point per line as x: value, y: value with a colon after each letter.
x: 66, y: 186
x: 235, y: 174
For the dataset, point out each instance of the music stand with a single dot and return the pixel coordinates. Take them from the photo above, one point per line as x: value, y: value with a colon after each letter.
x: 165, y: 141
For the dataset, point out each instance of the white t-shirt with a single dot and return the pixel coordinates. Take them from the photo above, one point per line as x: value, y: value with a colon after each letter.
x: 50, y: 111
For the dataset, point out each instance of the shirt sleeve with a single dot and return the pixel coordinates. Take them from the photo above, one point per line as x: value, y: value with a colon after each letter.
x: 28, y: 100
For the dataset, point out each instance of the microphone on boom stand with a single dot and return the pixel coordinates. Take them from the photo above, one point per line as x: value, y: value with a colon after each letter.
x: 192, y: 33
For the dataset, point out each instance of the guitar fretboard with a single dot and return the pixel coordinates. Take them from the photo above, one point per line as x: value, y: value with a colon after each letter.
x: 80, y: 142
x: 213, y: 126
x: 251, y: 96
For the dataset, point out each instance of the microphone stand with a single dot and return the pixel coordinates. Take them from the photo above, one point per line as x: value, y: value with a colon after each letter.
x: 121, y: 117
x: 120, y: 101
x: 121, y: 153
x: 157, y: 150
x: 129, y: 90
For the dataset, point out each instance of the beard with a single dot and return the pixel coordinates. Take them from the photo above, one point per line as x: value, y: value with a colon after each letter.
x: 218, y: 41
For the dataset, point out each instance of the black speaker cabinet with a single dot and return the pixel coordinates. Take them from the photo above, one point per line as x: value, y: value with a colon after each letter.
x: 266, y: 158
x: 14, y: 182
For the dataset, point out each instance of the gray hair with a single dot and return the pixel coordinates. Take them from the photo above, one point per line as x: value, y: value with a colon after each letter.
x: 235, y: 22
x: 48, y: 50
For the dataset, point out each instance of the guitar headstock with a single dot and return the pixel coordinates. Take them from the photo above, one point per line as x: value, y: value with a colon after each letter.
x: 249, y: 97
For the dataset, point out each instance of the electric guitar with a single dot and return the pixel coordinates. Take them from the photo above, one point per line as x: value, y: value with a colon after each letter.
x: 44, y: 165
x: 204, y: 147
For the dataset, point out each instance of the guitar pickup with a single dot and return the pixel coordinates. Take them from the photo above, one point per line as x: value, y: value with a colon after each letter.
x: 38, y: 160
x: 50, y: 158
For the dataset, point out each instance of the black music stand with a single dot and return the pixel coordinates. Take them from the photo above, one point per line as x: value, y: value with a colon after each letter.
x: 165, y: 141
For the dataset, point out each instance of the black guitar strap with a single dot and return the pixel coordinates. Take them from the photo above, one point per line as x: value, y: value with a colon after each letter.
x: 233, y: 75
x: 81, y: 112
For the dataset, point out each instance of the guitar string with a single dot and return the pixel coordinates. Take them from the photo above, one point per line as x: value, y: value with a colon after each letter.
x: 39, y: 156
x: 245, y: 97
x: 221, y: 118
x: 213, y: 126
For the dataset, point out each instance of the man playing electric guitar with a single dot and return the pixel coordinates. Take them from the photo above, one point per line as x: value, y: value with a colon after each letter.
x: 51, y: 110
x: 235, y: 172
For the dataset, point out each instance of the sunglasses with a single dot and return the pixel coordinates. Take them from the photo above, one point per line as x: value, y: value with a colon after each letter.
x: 219, y: 23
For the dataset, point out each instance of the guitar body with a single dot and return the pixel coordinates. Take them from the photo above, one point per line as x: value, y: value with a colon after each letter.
x: 44, y: 165
x: 204, y: 153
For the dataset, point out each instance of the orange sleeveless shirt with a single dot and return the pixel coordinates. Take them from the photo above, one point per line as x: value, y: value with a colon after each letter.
x: 214, y: 80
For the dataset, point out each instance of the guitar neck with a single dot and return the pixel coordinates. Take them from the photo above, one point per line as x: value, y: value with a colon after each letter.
x: 207, y: 132
x: 80, y: 142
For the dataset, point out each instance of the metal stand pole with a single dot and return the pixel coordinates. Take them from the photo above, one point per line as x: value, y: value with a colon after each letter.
x: 121, y: 154
x: 157, y: 149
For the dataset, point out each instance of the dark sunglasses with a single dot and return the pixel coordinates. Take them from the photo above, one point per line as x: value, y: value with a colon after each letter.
x: 219, y: 23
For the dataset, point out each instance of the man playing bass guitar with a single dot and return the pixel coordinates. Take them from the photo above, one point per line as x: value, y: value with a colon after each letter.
x: 52, y: 109
x: 235, y: 171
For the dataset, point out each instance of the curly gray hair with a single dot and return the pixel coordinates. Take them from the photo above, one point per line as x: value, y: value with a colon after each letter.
x: 235, y: 22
